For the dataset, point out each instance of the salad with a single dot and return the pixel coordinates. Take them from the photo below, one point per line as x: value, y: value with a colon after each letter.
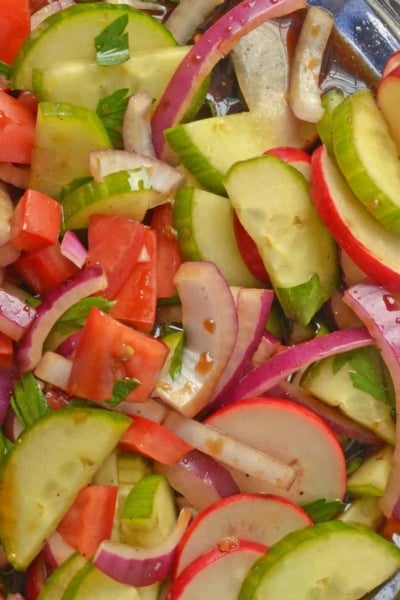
x: 199, y: 303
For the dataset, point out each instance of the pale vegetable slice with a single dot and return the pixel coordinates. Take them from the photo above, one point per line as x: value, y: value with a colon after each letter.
x: 95, y: 584
x: 372, y: 476
x: 70, y: 34
x: 329, y: 560
x: 65, y: 134
x: 44, y: 471
x: 60, y: 578
x: 272, y: 201
x: 367, y: 156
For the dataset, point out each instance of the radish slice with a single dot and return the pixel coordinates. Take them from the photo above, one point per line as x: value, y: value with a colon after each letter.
x: 187, y: 17
x: 15, y: 315
x: 231, y: 452
x: 85, y: 283
x: 261, y: 518
x: 141, y: 566
x: 210, y: 323
x: 72, y: 248
x: 284, y: 363
x: 136, y: 125
x: 380, y: 311
x: 57, y: 550
x: 200, y: 479
x: 214, y: 44
x: 304, y: 92
x: 213, y: 571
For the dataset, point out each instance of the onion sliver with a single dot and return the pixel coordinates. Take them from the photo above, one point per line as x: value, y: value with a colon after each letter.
x: 213, y: 45
x: 57, y: 550
x: 141, y: 566
x: 200, y: 479
x: 55, y: 369
x: 85, y: 283
x: 7, y: 378
x: 284, y: 363
x: 136, y: 125
x: 188, y: 16
x: 72, y: 248
x: 231, y: 452
x: 16, y: 315
x: 380, y: 312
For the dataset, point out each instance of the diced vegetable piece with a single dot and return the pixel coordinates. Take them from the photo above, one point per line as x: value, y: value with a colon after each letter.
x: 36, y: 221
x: 17, y: 130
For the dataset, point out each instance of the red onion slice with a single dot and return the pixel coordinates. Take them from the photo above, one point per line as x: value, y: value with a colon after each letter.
x: 55, y: 369
x: 141, y: 566
x: 15, y: 315
x: 380, y: 312
x: 187, y: 17
x: 85, y: 283
x: 214, y: 44
x: 72, y: 248
x: 200, y: 479
x: 7, y: 378
x: 57, y: 550
x: 136, y: 125
x: 284, y: 363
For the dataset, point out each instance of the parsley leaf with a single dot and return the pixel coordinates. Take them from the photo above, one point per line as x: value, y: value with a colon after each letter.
x: 74, y: 318
x: 323, y: 510
x: 121, y: 389
x: 111, y: 110
x: 5, y: 73
x: 28, y: 401
x: 175, y: 340
x: 112, y: 44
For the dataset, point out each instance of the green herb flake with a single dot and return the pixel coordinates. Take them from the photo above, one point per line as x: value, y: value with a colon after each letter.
x: 323, y: 510
x: 5, y: 73
x: 122, y: 387
x: 112, y: 44
x: 28, y: 400
x: 111, y: 110
x: 75, y: 317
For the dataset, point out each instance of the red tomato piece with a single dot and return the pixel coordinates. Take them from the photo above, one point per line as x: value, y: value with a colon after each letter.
x: 17, y: 130
x: 44, y: 269
x: 6, y: 351
x: 89, y: 521
x: 108, y: 351
x: 136, y: 301
x: 36, y: 577
x: 115, y: 242
x: 15, y: 25
x: 35, y: 222
x: 154, y: 440
x: 249, y: 252
x: 168, y: 252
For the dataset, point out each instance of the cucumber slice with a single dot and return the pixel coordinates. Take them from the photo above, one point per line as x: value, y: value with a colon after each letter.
x: 272, y: 200
x: 367, y: 157
x: 204, y: 222
x: 336, y: 386
x: 59, y: 580
x: 95, y: 584
x: 328, y: 561
x: 330, y: 100
x: 85, y: 82
x: 44, y: 471
x: 65, y: 134
x: 69, y: 35
x: 209, y: 147
x: 149, y: 512
x: 364, y: 511
x: 124, y: 192
x: 372, y: 476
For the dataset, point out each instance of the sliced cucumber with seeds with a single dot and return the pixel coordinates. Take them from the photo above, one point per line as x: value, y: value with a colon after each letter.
x: 125, y: 192
x: 204, y: 222
x: 328, y: 561
x: 70, y: 35
x: 367, y: 157
x: 65, y: 134
x: 272, y: 201
x: 44, y: 471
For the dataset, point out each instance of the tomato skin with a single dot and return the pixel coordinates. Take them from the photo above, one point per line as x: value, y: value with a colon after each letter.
x: 136, y: 301
x: 17, y: 130
x: 6, y: 351
x: 14, y: 27
x: 249, y: 252
x: 35, y: 222
x: 153, y: 440
x: 90, y: 518
x: 168, y: 252
x: 108, y: 351
x: 44, y: 269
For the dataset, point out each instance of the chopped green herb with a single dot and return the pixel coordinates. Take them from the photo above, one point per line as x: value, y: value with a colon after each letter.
x: 5, y: 73
x: 111, y: 110
x: 28, y: 401
x: 175, y: 340
x: 112, y: 44
x: 121, y: 389
x: 323, y: 510
x: 75, y: 317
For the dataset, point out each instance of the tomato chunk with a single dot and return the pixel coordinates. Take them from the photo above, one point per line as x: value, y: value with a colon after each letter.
x: 109, y: 351
x: 15, y: 25
x: 6, y: 350
x: 35, y: 222
x: 17, y: 130
x: 168, y: 252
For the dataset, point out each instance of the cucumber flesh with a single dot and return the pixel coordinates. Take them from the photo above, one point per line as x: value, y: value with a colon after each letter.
x: 65, y: 134
x: 372, y: 476
x: 329, y: 561
x: 97, y: 585
x: 44, y: 471
x: 272, y: 201
x: 204, y: 222
x: 364, y: 511
x: 367, y: 157
x: 59, y: 580
x: 69, y: 35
